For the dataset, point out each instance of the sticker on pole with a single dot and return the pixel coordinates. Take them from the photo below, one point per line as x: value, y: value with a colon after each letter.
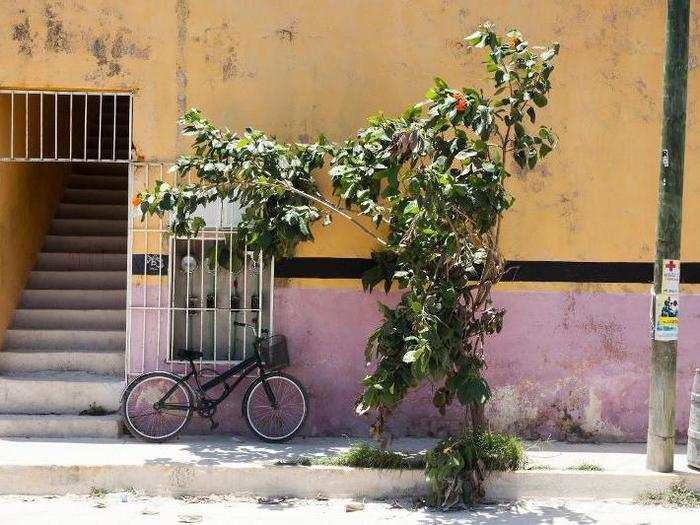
x: 666, y: 326
x: 671, y: 276
x: 666, y: 303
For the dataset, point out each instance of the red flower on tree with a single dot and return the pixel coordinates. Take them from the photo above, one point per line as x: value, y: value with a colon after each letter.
x: 461, y: 103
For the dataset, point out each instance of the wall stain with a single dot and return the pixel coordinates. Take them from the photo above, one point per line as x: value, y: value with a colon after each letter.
x: 611, y: 341
x: 570, y: 427
x: 288, y: 33
x: 182, y: 13
x: 123, y: 47
x: 58, y: 40
x: 649, y: 103
x: 569, y: 312
x: 569, y: 210
x: 22, y: 34
x: 109, y: 49
x: 459, y: 50
x: 229, y: 64
x: 98, y: 49
x: 220, y: 45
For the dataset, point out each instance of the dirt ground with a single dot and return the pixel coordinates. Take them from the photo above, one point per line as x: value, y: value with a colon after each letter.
x: 134, y: 509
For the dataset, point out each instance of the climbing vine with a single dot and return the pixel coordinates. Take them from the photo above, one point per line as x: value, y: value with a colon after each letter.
x: 432, y: 181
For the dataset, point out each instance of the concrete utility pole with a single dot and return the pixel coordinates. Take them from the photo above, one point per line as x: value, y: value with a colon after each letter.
x: 662, y: 393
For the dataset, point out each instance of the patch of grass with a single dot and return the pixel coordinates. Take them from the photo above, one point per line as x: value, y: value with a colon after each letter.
x: 457, y: 466
x: 95, y: 410
x: 97, y: 492
x: 363, y: 455
x: 678, y: 495
x: 538, y: 466
x: 500, y: 451
x: 301, y: 461
x: 586, y: 466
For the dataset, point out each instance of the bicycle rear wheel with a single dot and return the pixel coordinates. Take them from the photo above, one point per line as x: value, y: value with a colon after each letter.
x: 147, y: 421
x: 281, y: 422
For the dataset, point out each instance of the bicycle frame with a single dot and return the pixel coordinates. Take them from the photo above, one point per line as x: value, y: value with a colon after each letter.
x: 246, y: 367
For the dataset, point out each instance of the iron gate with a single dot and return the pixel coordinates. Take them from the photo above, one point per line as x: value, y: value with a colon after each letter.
x: 187, y: 292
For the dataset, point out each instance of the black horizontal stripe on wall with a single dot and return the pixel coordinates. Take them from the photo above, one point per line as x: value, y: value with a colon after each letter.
x: 517, y: 271
x: 322, y: 267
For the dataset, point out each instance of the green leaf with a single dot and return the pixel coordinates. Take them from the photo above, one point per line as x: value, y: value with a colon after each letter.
x: 531, y: 114
x: 410, y: 356
x: 440, y: 84
x: 413, y: 112
x: 539, y: 99
x: 411, y: 208
x: 474, y: 38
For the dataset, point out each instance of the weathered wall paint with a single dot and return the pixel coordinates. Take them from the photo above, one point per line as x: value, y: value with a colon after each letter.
x: 567, y: 365
x: 299, y: 68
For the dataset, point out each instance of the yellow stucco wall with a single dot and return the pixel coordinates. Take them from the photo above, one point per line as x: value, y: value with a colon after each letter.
x: 28, y: 197
x: 300, y: 67
x: 29, y: 194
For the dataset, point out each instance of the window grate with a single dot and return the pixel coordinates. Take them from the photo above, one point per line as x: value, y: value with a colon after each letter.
x: 65, y: 126
x: 187, y: 293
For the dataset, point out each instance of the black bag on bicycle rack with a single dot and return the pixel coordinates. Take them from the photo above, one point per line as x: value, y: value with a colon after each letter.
x: 273, y: 352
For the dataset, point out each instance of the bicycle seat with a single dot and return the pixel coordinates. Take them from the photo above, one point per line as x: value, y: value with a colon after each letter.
x: 192, y: 354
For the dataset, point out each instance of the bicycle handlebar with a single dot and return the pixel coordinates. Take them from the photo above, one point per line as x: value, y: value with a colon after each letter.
x: 251, y: 326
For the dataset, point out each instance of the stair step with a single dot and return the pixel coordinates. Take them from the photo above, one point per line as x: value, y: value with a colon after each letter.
x: 46, y: 339
x: 81, y: 196
x: 60, y: 426
x: 98, y: 182
x: 76, y: 280
x: 104, y: 227
x: 58, y: 392
x: 119, y: 170
x: 85, y: 243
x: 70, y: 319
x: 58, y: 261
x: 92, y: 211
x: 74, y: 299
x: 38, y: 360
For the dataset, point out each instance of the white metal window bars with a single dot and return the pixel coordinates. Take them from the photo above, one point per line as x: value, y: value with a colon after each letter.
x: 66, y: 126
x: 193, y: 303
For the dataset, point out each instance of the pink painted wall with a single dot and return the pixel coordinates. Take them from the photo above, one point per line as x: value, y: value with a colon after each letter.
x: 567, y: 365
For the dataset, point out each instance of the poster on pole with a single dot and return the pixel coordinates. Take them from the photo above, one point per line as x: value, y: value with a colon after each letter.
x: 666, y: 304
x: 671, y: 276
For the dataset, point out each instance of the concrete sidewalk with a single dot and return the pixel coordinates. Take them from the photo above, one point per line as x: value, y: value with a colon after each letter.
x: 216, y: 465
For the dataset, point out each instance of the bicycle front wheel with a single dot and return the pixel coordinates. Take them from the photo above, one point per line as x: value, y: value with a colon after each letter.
x: 142, y: 414
x: 280, y: 421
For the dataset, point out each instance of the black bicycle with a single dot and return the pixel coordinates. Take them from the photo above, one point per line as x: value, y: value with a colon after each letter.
x: 157, y: 406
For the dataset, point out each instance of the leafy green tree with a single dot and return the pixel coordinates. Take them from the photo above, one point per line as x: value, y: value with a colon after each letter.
x: 435, y: 178
x: 433, y: 183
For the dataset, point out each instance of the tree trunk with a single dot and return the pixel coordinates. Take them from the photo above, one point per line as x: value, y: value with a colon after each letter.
x: 476, y: 420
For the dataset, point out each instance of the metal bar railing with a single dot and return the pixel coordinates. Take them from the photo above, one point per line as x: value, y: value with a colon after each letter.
x: 55, y: 127
x: 37, y: 128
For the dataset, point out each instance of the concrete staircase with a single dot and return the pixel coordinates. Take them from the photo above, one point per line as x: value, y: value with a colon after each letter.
x: 63, y: 355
